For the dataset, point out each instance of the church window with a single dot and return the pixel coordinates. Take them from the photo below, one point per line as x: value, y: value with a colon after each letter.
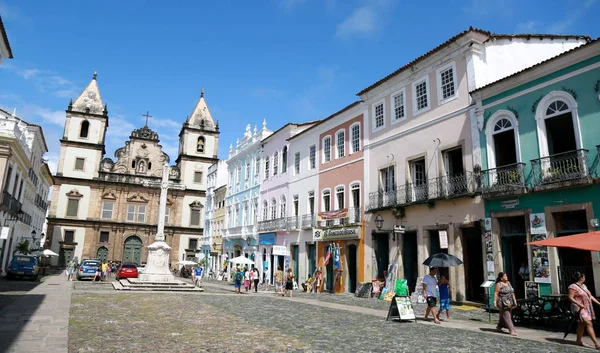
x: 195, y: 217
x: 149, y: 165
x: 197, y: 177
x: 79, y: 163
x: 69, y: 236
x: 136, y: 213
x: 72, y: 207
x: 192, y: 243
x: 104, y: 236
x: 132, y: 164
x: 107, y: 209
x: 284, y: 156
x: 200, y: 144
x: 84, y: 130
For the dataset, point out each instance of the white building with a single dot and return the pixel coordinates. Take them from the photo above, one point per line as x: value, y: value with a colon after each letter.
x: 215, y: 179
x: 5, y: 51
x: 25, y: 180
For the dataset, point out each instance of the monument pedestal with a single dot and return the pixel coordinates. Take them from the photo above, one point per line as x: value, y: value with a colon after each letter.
x: 157, y: 266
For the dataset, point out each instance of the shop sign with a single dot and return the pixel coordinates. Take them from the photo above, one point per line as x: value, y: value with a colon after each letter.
x: 443, y: 239
x: 488, y: 224
x: 4, y: 232
x: 537, y: 222
x: 280, y: 250
x: 508, y: 204
x: 266, y: 239
x: 331, y: 234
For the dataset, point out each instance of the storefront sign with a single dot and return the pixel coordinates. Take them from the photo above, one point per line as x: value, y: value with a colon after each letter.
x: 443, y: 239
x: 510, y: 203
x: 4, y: 233
x: 537, y: 222
x: 280, y: 250
x: 488, y: 224
x: 330, y: 234
x: 541, y: 263
x: 266, y: 239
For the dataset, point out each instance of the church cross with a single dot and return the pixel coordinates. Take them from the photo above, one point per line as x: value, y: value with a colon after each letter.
x: 147, y: 115
x: 164, y: 185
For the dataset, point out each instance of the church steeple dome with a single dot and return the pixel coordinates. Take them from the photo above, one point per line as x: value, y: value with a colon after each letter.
x: 90, y: 100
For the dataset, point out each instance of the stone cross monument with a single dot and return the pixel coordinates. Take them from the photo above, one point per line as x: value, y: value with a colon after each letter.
x: 157, y: 267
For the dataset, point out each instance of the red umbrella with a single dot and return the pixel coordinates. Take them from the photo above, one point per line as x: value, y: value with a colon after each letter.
x: 584, y: 241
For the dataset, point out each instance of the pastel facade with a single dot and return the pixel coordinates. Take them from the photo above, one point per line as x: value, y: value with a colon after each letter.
x: 211, y: 241
x: 538, y: 135
x: 243, y: 193
x: 421, y: 156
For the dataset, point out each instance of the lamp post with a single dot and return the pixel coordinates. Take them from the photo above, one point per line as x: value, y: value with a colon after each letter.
x: 379, y: 222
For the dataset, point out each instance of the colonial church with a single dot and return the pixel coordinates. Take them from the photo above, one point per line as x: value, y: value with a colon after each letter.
x: 100, y: 207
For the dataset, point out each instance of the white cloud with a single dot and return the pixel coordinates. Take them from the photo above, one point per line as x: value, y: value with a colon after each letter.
x: 45, y: 81
x: 365, y: 20
x: 29, y: 73
x: 163, y: 123
x: 52, y: 160
x: 33, y: 114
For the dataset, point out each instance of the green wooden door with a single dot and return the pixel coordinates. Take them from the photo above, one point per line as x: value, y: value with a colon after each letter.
x: 102, y: 254
x: 312, y: 264
x: 132, y: 250
x: 67, y: 256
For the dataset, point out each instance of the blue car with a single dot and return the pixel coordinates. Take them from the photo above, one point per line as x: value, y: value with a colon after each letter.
x: 87, y: 269
x: 23, y: 265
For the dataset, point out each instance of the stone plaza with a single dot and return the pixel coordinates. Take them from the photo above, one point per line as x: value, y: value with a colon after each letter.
x: 63, y: 316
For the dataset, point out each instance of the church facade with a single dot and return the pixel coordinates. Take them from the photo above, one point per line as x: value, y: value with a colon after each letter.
x: 100, y: 208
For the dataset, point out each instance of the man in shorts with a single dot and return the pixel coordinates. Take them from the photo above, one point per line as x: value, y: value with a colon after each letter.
x: 198, y: 278
x: 430, y: 294
x: 279, y: 280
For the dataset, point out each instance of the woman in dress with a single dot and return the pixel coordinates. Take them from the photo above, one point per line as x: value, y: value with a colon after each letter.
x: 582, y: 300
x: 503, y: 295
x: 289, y: 282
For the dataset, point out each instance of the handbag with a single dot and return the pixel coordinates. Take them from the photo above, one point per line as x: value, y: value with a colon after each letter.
x: 507, y: 303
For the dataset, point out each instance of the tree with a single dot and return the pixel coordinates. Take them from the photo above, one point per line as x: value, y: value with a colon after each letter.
x: 23, y: 247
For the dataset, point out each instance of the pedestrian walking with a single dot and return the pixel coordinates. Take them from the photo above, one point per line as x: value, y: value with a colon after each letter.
x: 104, y: 269
x: 71, y: 269
x: 256, y: 279
x: 289, y: 283
x: 238, y: 277
x: 444, y: 287
x: 504, y: 298
x: 581, y: 303
x: 110, y: 270
x: 279, y: 281
x: 430, y: 294
x: 266, y: 279
x: 246, y: 278
x: 198, y: 277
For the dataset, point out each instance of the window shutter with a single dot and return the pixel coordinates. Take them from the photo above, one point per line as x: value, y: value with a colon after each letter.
x: 72, y: 207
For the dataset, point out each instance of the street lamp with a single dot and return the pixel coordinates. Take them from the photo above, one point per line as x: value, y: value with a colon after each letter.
x: 379, y: 222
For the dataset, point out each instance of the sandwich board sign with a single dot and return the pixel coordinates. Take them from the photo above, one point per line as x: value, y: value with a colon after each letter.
x: 401, y: 307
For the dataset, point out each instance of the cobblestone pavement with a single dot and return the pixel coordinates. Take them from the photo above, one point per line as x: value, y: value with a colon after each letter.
x: 215, y: 321
x: 11, y: 290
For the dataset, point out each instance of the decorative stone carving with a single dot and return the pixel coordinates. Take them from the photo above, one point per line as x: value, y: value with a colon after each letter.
x: 74, y: 193
x: 107, y: 165
x: 197, y: 204
x: 109, y: 195
x: 145, y: 133
x: 137, y: 198
x: 174, y: 173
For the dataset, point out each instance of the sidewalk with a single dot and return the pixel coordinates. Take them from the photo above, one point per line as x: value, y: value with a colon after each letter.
x: 39, y: 320
x: 473, y: 326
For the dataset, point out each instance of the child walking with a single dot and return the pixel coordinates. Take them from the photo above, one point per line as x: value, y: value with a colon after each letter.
x: 444, y: 287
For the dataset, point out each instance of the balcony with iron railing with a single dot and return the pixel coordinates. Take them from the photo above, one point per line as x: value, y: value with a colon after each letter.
x: 24, y: 217
x: 39, y: 201
x: 556, y: 170
x: 502, y: 181
x: 272, y: 225
x: 308, y: 221
x: 293, y: 223
x: 33, y: 176
x: 446, y: 187
x: 10, y: 203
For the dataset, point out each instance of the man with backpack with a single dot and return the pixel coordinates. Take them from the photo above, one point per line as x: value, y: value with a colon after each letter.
x: 238, y: 277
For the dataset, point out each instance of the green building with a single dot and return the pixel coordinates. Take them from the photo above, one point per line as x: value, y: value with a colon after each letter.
x: 539, y: 142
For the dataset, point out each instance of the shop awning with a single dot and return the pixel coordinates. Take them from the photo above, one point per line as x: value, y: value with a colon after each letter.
x: 584, y: 241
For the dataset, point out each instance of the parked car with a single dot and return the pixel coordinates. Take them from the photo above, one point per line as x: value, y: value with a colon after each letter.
x: 87, y: 269
x: 127, y: 271
x: 141, y: 268
x: 23, y: 265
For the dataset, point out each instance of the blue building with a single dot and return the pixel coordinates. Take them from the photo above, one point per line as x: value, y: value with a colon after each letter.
x: 242, y: 201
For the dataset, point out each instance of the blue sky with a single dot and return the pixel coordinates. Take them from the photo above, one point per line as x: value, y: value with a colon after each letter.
x: 283, y: 60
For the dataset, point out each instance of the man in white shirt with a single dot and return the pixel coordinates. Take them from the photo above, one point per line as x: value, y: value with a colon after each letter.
x: 430, y: 293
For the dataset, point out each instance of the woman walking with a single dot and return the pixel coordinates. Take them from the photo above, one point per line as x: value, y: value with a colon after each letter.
x: 256, y: 279
x: 582, y: 300
x: 504, y: 298
x: 289, y: 283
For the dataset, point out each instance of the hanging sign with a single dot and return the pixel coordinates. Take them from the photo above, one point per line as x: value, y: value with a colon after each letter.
x: 443, y: 239
x: 537, y: 221
x: 541, y: 263
x: 334, y: 214
x: 280, y: 250
x: 4, y: 232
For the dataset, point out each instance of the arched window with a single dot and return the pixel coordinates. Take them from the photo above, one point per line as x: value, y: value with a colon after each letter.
x: 273, y: 208
x: 265, y: 215
x: 149, y: 165
x: 85, y: 129
x: 284, y: 157
x: 133, y: 164
x: 502, y: 137
x: 200, y: 144
x: 283, y: 207
x: 275, y: 163
x: 558, y: 125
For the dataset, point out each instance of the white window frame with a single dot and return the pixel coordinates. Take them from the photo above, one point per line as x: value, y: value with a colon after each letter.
x: 267, y: 167
x: 139, y: 217
x: 336, y: 201
x: 438, y: 76
x: 247, y: 173
x: 414, y: 95
x: 540, y: 117
x: 273, y: 208
x: 276, y: 163
x: 323, y: 199
x: 337, y: 144
x: 325, y: 160
x: 265, y: 210
x: 489, y: 135
x: 82, y: 166
x: 297, y: 163
x: 112, y: 209
x: 283, y: 207
x: 312, y: 157
x: 201, y: 175
x: 401, y: 91
x: 373, y: 120
x: 351, y: 138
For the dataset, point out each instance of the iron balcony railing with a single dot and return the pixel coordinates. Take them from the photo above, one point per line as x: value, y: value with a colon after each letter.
x: 272, y: 224
x: 436, y: 188
x: 308, y: 221
x: 39, y: 201
x: 12, y: 204
x: 505, y: 179
x: 567, y: 166
x: 352, y: 217
x: 33, y: 176
x: 293, y: 223
x: 24, y: 217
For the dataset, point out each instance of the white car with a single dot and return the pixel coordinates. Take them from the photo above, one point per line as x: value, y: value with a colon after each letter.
x: 141, y: 268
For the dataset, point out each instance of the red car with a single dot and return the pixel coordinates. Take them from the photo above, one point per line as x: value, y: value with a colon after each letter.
x: 127, y: 271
